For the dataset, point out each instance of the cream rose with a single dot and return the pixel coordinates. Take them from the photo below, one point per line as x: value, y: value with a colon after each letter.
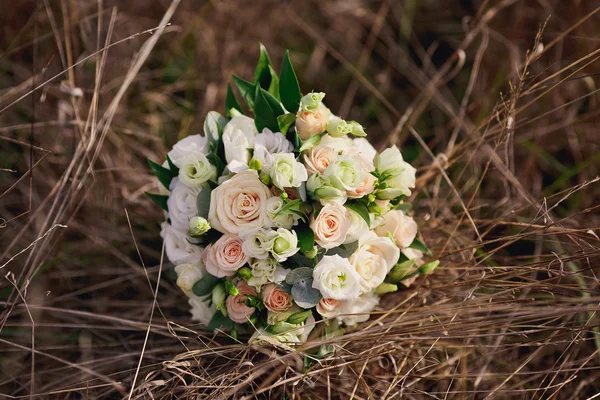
x: 187, y: 275
x: 275, y: 299
x: 373, y: 259
x: 331, y: 225
x: 329, y: 308
x: 182, y: 205
x: 336, y: 278
x: 239, y: 204
x: 310, y: 123
x: 402, y: 228
x: 237, y: 311
x: 177, y: 247
x: 318, y: 158
x: 225, y: 256
x: 364, y: 188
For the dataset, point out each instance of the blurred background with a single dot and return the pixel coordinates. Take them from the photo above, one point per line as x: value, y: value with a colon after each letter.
x: 494, y: 101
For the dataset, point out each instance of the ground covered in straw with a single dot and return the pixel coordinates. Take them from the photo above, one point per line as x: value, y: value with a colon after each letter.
x: 495, y: 102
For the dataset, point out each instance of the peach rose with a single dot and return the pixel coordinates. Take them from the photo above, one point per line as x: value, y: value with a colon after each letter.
x: 318, y: 159
x: 329, y: 308
x: 275, y: 299
x: 402, y: 227
x: 309, y: 123
x: 331, y: 225
x: 225, y: 256
x: 367, y: 186
x: 237, y: 311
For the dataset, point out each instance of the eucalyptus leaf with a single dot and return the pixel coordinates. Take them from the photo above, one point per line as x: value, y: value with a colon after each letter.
x: 289, y: 88
x: 205, y: 285
x: 163, y: 174
x: 159, y: 200
x: 361, y: 209
x: 299, y: 275
x: 203, y: 201
x: 344, y: 250
x: 298, y: 260
x: 231, y: 102
x: 305, y: 295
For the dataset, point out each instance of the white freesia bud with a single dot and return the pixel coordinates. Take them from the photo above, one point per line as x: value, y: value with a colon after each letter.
x: 346, y: 173
x: 258, y: 242
x: 285, y: 245
x: 182, y: 204
x: 396, y: 173
x: 336, y: 278
x: 286, y: 171
x: 310, y: 123
x: 402, y: 228
x: 195, y: 170
x: 187, y: 275
x: 337, y: 127
x: 198, y: 226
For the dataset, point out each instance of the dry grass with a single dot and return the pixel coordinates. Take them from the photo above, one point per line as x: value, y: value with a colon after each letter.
x: 494, y: 102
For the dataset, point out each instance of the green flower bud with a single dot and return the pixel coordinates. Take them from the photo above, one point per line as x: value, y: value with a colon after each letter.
x: 312, y: 253
x: 400, y: 271
x: 265, y: 179
x: 234, y: 333
x: 299, y: 317
x: 218, y: 296
x: 429, y: 267
x: 371, y: 198
x: 357, y: 129
x: 245, y: 273
x: 385, y: 288
x: 311, y: 101
x: 255, y: 164
x: 198, y: 226
x: 231, y: 288
x: 337, y: 127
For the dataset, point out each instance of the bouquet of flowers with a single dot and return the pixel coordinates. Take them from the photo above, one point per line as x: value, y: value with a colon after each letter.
x: 287, y: 217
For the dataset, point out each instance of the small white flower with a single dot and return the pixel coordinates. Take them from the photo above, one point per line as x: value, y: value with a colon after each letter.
x: 196, y: 170
x: 285, y: 245
x: 268, y: 143
x: 182, y: 205
x: 336, y: 278
x: 258, y: 242
x: 179, y: 250
x: 286, y: 172
x: 274, y: 205
x: 201, y: 311
x: 238, y: 137
x: 267, y: 270
x: 193, y: 145
x: 400, y: 174
x: 187, y: 275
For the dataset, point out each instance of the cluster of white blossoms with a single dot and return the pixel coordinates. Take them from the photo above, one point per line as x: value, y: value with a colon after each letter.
x: 289, y: 218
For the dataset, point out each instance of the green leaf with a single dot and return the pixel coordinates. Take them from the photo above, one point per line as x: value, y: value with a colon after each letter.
x: 205, y: 285
x: 262, y: 74
x: 172, y: 167
x: 306, y: 237
x: 219, y: 321
x: 273, y: 88
x: 294, y: 207
x: 299, y: 275
x: 159, y: 199
x: 344, y: 250
x: 311, y: 142
x: 298, y: 260
x: 163, y: 174
x: 299, y: 317
x: 273, y: 103
x: 264, y: 116
x: 404, y: 207
x: 429, y: 267
x: 247, y: 90
x: 361, y: 209
x: 285, y: 122
x: 289, y: 88
x: 203, y: 201
x: 418, y: 245
x: 231, y: 102
x: 305, y: 295
x: 400, y: 271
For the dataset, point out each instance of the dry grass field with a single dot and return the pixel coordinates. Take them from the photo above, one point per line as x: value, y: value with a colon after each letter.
x: 494, y: 101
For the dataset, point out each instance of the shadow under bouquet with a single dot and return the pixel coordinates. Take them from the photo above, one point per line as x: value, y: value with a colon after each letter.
x: 286, y: 218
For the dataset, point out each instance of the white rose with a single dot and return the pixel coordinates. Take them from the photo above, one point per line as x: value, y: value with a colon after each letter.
x: 195, y: 170
x: 345, y: 173
x: 358, y: 310
x: 331, y: 225
x: 365, y: 149
x: 401, y: 175
x: 193, y: 145
x: 238, y: 137
x: 187, y: 275
x: 179, y: 250
x: 341, y: 145
x: 373, y: 259
x: 310, y: 123
x: 358, y: 227
x: 274, y: 205
x: 336, y: 278
x: 402, y: 228
x: 201, y: 311
x: 285, y: 245
x: 267, y: 270
x: 239, y: 204
x: 268, y: 143
x: 258, y: 242
x: 182, y: 205
x: 286, y: 172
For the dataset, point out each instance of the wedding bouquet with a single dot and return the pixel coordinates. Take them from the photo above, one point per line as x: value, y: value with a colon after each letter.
x: 276, y: 221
